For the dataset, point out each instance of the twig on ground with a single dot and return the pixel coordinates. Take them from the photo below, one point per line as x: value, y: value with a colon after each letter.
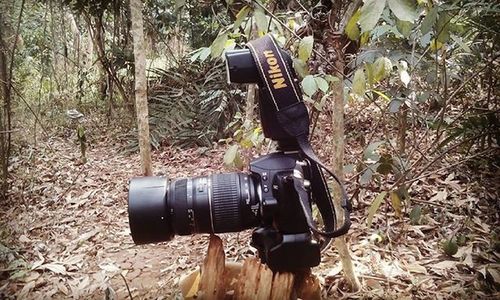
x: 126, y: 284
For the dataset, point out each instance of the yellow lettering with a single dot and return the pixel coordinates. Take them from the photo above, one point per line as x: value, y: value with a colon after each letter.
x: 268, y: 53
x: 278, y: 75
x: 279, y: 83
x: 274, y: 70
x: 272, y: 61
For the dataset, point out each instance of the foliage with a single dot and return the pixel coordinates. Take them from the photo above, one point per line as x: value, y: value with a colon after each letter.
x: 191, y: 104
x: 416, y: 56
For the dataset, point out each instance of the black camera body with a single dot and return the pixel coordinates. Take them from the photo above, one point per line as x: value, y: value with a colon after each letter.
x: 275, y: 198
x: 283, y: 239
x: 266, y: 198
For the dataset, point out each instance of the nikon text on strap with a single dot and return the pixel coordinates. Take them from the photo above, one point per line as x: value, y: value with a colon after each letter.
x: 282, y: 101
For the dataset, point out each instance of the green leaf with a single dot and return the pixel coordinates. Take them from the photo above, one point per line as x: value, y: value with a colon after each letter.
x: 309, y: 85
x: 370, y: 14
x: 367, y: 175
x: 306, y: 47
x: 359, y: 83
x: 300, y: 67
x: 204, y: 53
x: 405, y: 10
x: 218, y: 45
x: 261, y: 21
x: 331, y: 78
x: 238, y: 162
x: 196, y: 55
x: 394, y: 105
x: 374, y: 207
x: 364, y: 39
x: 352, y: 28
x: 349, y: 168
x: 415, y: 215
x: 382, y: 67
x: 369, y: 152
x: 443, y: 27
x: 369, y: 73
x: 404, y: 27
x: 435, y: 45
x: 241, y: 15
x: 450, y: 247
x: 386, y: 163
x: 322, y: 84
x: 429, y: 21
x: 230, y: 155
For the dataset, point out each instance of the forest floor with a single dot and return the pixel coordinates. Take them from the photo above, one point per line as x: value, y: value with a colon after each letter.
x: 65, y: 234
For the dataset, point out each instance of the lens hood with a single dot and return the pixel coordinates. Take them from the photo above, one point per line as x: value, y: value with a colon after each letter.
x: 148, y: 210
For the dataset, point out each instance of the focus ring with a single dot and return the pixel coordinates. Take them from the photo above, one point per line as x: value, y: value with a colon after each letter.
x: 225, y: 202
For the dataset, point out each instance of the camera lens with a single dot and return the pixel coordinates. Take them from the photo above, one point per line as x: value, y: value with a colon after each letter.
x: 159, y: 208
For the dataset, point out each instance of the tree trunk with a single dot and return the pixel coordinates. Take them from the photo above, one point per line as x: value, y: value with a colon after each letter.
x: 6, y: 75
x: 335, y: 43
x: 141, y: 87
x: 250, y: 104
x: 337, y: 153
x: 4, y: 111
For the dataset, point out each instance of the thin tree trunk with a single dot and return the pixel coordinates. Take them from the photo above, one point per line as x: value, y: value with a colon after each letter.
x: 4, y: 84
x: 250, y: 103
x: 337, y: 153
x: 11, y: 70
x: 141, y: 86
x: 98, y: 40
x: 335, y: 44
x: 6, y: 74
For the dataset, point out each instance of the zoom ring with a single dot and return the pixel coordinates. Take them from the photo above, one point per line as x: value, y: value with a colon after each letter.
x: 225, y: 202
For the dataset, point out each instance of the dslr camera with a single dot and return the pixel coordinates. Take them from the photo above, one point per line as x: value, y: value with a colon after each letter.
x: 277, y: 195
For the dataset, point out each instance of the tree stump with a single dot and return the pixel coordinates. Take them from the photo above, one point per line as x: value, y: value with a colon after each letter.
x: 252, y: 280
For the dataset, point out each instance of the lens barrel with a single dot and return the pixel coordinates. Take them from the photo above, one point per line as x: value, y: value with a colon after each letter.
x: 159, y: 208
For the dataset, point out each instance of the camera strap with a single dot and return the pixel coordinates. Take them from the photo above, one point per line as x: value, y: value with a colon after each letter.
x: 283, y: 96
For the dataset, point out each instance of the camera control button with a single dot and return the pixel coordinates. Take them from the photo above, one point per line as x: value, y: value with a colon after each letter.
x: 264, y: 177
x: 265, y: 189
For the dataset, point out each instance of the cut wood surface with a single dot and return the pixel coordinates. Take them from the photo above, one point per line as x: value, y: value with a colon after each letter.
x: 252, y: 280
x: 212, y: 272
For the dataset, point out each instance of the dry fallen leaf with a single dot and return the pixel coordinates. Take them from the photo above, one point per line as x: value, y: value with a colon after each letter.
x: 445, y: 264
x: 416, y: 268
x: 26, y: 289
x: 439, y: 197
x: 109, y: 267
x: 54, y: 267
